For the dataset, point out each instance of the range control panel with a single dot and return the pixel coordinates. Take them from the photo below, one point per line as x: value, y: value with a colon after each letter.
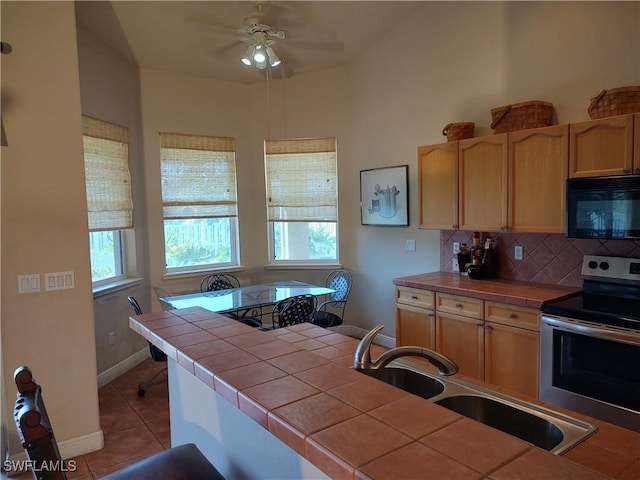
x: 603, y: 267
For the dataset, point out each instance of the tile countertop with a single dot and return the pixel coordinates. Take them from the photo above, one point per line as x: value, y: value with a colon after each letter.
x: 297, y: 382
x: 507, y: 291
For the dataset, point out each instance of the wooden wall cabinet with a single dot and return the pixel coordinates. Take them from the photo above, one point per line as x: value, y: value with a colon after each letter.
x: 415, y: 319
x: 538, y: 170
x: 604, y: 147
x: 438, y: 191
x: 483, y: 183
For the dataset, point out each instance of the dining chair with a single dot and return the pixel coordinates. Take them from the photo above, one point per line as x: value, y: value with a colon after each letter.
x: 218, y: 281
x: 330, y: 313
x: 222, y: 281
x: 156, y: 354
x: 184, y: 462
x: 294, y: 310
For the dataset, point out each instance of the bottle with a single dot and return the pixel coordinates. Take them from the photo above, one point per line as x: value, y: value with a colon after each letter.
x: 464, y: 257
x: 489, y: 258
x: 476, y: 251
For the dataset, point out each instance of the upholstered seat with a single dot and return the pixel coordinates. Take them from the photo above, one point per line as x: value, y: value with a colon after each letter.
x: 330, y: 313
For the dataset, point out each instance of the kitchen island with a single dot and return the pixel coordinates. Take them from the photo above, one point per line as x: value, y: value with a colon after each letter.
x: 287, y: 404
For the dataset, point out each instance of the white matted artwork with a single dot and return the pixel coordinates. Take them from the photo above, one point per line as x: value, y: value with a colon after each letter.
x: 384, y: 196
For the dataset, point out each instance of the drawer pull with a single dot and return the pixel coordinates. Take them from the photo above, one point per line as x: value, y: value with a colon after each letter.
x: 480, y: 325
x: 414, y: 297
x: 513, y: 316
x: 459, y: 305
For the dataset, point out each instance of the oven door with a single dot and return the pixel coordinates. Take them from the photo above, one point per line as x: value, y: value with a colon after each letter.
x: 591, y: 369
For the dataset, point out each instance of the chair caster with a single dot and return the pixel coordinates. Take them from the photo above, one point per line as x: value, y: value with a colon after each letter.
x: 141, y: 392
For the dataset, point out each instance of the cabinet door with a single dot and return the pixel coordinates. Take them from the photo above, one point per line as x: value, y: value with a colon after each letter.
x: 601, y: 147
x: 415, y: 326
x: 538, y: 168
x: 462, y: 340
x: 483, y: 183
x: 438, y: 174
x: 512, y: 358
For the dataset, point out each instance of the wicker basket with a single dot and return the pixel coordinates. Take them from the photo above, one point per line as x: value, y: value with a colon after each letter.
x: 519, y: 116
x: 616, y: 101
x: 458, y: 131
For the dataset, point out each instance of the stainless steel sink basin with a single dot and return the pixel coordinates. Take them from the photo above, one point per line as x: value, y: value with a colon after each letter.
x: 532, y: 423
x: 514, y: 421
x: 409, y: 381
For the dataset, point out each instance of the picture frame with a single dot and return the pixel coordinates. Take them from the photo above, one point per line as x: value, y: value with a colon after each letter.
x: 384, y: 196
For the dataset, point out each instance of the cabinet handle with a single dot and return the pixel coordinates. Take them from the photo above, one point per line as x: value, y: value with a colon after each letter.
x: 625, y: 170
x: 454, y: 226
x: 513, y: 316
x: 459, y: 305
x: 638, y: 170
x: 480, y: 325
x: 414, y: 297
x: 430, y: 315
x: 487, y: 327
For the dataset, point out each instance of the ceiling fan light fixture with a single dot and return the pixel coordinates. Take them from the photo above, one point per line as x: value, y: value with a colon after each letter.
x: 259, y: 55
x: 274, y: 60
x: 248, y: 56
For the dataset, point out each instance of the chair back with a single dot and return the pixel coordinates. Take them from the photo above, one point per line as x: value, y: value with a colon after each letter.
x: 35, y: 430
x: 135, y: 305
x: 293, y: 310
x: 157, y: 354
x: 340, y: 281
x: 218, y: 281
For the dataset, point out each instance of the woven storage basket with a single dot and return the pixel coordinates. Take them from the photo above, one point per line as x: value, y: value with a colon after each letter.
x: 519, y: 116
x: 615, y: 101
x: 458, y: 131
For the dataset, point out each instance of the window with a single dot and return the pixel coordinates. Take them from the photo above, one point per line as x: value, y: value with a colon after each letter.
x: 302, y: 200
x: 199, y: 201
x: 109, y: 204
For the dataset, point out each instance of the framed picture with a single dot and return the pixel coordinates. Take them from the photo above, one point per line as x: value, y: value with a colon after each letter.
x: 384, y: 196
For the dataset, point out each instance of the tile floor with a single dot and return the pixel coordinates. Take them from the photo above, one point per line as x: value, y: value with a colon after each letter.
x: 133, y: 427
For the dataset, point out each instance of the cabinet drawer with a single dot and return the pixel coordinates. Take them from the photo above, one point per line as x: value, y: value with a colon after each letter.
x: 512, y: 315
x: 415, y: 297
x: 466, y: 306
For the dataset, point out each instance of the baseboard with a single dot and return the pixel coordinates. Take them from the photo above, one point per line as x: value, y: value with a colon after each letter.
x: 358, y: 332
x: 71, y: 448
x: 123, y: 367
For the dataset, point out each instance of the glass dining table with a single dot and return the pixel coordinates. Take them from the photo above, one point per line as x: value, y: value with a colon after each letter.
x: 246, y: 298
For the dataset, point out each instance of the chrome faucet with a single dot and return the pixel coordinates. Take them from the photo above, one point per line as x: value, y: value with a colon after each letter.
x: 362, y: 357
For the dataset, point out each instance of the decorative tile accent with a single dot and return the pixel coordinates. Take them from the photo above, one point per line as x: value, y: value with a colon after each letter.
x: 548, y: 258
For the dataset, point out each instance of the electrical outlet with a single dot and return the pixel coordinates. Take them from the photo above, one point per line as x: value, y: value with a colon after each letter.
x: 456, y: 247
x: 411, y: 246
x: 112, y: 338
x: 454, y: 265
x: 518, y: 252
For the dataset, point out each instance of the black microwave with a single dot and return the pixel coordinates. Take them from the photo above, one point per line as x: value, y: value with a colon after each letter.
x: 603, y: 207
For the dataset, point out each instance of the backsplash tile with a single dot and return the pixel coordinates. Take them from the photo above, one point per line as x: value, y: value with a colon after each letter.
x: 548, y: 258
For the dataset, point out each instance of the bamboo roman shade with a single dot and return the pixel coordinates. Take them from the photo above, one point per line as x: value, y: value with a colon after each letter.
x: 108, y: 182
x: 301, y: 177
x: 198, y: 176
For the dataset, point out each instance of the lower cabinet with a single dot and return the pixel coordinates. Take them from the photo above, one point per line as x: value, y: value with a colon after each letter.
x: 490, y: 341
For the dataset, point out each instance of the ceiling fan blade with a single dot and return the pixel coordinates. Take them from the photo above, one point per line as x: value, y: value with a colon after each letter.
x: 216, y: 27
x: 227, y: 47
x: 333, y: 46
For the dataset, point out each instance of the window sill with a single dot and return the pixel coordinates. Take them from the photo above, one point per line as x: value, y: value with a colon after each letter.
x: 199, y: 272
x: 116, y: 286
x: 303, y: 266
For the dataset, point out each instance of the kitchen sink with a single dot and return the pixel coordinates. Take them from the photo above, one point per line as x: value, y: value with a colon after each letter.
x: 409, y: 381
x: 543, y: 427
x: 515, y: 421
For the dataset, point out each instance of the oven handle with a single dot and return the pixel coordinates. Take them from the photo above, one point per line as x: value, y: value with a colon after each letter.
x: 593, y: 331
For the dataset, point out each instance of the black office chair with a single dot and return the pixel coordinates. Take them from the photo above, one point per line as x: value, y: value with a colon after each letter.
x: 156, y: 354
x: 330, y: 313
x: 294, y: 310
x: 184, y: 462
x: 222, y: 281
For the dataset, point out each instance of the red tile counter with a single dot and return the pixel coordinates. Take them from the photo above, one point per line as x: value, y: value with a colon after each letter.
x: 298, y: 384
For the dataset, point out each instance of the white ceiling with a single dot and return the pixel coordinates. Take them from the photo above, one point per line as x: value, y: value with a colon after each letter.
x: 199, y: 37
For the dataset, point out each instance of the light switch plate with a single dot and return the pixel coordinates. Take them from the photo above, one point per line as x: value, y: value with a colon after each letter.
x: 59, y: 281
x: 517, y: 252
x: 411, y: 246
x: 29, y: 283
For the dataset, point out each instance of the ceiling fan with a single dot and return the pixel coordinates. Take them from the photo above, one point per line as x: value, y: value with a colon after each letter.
x: 269, y: 25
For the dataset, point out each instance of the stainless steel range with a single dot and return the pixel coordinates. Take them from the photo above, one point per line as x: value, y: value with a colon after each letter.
x: 590, y: 344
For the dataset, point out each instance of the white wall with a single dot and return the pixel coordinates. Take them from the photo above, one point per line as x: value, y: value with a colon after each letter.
x: 44, y: 221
